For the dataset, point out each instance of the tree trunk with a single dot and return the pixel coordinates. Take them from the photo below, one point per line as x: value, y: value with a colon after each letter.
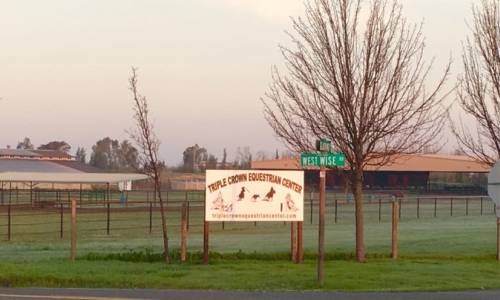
x: 163, y: 221
x: 357, y: 190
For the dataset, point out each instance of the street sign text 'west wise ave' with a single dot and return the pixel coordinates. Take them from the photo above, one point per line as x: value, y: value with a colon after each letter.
x: 322, y: 159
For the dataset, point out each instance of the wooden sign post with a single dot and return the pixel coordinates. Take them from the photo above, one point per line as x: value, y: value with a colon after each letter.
x: 205, y: 242
x: 293, y: 241
x: 395, y: 220
x: 300, y: 256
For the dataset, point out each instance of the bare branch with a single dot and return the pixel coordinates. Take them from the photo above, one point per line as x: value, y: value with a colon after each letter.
x: 149, y: 145
x: 360, y: 85
x: 478, y: 89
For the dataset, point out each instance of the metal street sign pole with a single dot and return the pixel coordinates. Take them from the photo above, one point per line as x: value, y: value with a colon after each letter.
x: 321, y: 230
x: 322, y: 160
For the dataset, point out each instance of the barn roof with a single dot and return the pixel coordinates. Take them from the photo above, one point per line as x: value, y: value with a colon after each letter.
x: 18, y: 152
x: 34, y: 154
x: 58, y: 171
x: 26, y: 165
x: 77, y: 177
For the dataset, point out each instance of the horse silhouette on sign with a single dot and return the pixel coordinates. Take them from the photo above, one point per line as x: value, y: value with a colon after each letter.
x: 269, y: 196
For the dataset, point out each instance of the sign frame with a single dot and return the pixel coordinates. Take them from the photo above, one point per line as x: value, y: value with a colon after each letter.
x: 254, y: 196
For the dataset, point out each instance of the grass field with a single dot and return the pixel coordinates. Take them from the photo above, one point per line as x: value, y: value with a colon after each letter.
x: 37, y: 229
x: 445, y: 244
x: 448, y: 252
x: 381, y: 274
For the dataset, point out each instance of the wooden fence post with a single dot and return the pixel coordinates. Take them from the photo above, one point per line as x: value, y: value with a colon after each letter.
x: 498, y: 239
x: 61, y: 228
x: 9, y: 223
x: 311, y: 208
x: 418, y: 208
x: 395, y: 221
x: 73, y: 230
x: 187, y: 216
x: 336, y: 209
x: 435, y: 207
x: 466, y: 207
x: 379, y: 210
x: 451, y: 207
x: 150, y: 216
x: 184, y: 231
x: 481, y: 206
x: 400, y: 204
x: 293, y: 240
x: 108, y: 212
x: 205, y: 242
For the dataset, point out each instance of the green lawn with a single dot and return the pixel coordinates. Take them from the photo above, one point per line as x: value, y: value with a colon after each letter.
x: 443, y: 253
x: 378, y: 274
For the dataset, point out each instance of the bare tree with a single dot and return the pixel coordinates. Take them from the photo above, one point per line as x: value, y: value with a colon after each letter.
x: 479, y: 86
x: 148, y: 144
x: 360, y: 84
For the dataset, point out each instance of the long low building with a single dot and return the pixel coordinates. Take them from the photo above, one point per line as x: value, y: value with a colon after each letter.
x: 48, y: 169
x: 423, y: 172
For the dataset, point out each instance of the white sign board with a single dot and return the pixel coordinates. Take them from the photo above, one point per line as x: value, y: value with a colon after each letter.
x: 254, y: 195
x: 494, y: 186
x: 125, y: 186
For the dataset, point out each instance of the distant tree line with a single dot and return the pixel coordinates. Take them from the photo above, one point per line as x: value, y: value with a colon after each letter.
x: 114, y: 155
x: 53, y: 145
x: 197, y: 159
x: 107, y: 153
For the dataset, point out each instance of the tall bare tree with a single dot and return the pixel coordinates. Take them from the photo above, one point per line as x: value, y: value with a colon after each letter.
x: 357, y: 79
x: 149, y: 145
x: 479, y: 86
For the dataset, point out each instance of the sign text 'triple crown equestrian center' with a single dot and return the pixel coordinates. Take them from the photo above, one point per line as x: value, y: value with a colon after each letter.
x: 254, y: 195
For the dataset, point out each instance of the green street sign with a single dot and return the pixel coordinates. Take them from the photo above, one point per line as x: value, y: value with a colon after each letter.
x: 322, y: 159
x: 324, y: 145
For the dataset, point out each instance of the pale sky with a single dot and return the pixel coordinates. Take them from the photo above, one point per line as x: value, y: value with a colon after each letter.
x: 203, y: 64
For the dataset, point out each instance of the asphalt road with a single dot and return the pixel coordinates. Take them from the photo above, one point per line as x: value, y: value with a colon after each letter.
x: 147, y: 294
